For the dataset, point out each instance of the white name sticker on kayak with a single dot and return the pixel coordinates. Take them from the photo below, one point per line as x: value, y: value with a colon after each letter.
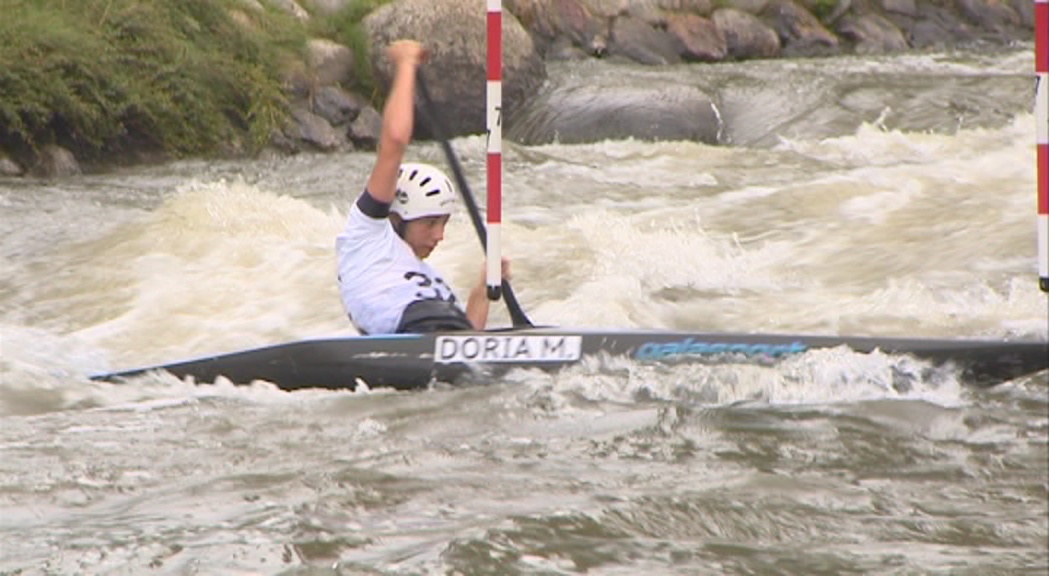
x: 507, y: 348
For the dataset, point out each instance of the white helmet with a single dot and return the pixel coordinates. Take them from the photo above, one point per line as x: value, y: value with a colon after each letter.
x: 422, y: 190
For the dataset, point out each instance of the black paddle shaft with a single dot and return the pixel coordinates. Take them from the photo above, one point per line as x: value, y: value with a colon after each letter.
x: 517, y: 315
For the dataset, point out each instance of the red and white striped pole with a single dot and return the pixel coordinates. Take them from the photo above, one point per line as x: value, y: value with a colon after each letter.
x: 1041, y: 66
x: 494, y: 97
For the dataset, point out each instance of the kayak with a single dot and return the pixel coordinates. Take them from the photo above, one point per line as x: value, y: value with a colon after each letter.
x: 414, y: 361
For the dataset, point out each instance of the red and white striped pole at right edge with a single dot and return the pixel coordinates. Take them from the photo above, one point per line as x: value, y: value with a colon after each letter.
x: 494, y: 98
x: 1041, y: 66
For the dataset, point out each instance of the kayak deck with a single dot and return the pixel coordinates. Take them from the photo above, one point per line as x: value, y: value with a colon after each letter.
x: 414, y: 361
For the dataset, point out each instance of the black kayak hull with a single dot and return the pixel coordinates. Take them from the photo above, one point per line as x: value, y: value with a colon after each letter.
x: 415, y: 361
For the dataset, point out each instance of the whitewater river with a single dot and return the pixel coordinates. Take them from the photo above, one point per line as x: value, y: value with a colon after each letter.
x: 887, y: 197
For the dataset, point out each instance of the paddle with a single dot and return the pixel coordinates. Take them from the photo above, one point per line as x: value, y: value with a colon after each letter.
x: 517, y: 315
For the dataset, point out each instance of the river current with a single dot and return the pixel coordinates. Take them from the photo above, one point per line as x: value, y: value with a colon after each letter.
x: 890, y: 196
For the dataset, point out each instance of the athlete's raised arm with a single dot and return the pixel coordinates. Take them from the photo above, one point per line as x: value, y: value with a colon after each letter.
x: 398, y: 118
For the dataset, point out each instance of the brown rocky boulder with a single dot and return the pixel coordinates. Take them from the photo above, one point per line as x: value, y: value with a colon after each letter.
x: 556, y: 25
x: 699, y: 38
x: 801, y: 33
x: 745, y: 35
x: 456, y: 74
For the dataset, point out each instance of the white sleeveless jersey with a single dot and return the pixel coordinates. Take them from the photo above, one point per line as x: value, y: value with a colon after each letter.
x: 379, y: 275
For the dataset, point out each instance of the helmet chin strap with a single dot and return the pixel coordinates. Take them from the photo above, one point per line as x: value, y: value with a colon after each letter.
x: 399, y: 226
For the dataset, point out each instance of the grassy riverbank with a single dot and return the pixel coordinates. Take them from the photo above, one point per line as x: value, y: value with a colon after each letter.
x: 109, y: 78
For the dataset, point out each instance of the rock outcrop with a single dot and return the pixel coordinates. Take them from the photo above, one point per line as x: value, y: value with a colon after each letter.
x: 326, y: 115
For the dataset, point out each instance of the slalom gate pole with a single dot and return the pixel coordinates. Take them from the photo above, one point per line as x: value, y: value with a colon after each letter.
x: 494, y: 99
x: 440, y: 132
x: 1041, y: 65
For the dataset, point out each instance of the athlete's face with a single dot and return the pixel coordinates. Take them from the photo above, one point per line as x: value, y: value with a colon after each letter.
x: 424, y: 234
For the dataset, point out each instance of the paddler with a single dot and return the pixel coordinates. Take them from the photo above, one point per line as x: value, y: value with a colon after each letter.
x: 385, y: 283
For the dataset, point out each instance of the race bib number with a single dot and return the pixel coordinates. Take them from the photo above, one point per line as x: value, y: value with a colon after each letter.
x: 507, y: 348
x: 430, y: 288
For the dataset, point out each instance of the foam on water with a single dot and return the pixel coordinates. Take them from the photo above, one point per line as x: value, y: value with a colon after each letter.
x: 219, y: 266
x: 817, y: 377
x: 226, y: 265
x: 41, y: 373
x: 878, y: 232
